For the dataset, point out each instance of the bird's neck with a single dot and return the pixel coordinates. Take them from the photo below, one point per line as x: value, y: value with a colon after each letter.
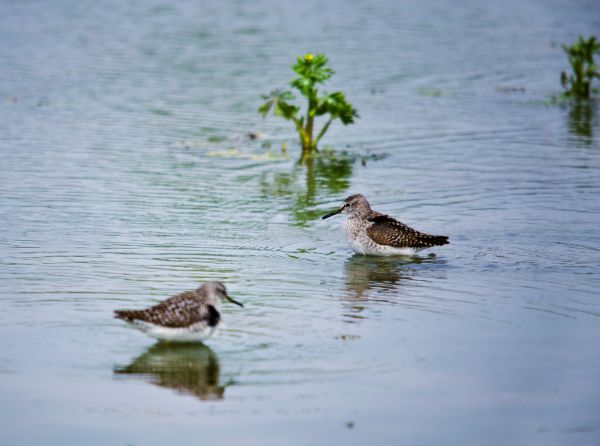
x: 360, y: 214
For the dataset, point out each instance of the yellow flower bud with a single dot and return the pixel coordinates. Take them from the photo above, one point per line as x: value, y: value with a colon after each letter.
x: 309, y: 57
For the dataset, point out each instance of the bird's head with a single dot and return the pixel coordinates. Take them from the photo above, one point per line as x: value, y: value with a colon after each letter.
x: 354, y: 204
x: 219, y: 290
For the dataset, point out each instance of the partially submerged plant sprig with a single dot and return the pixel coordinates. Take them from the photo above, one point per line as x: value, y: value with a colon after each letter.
x: 312, y: 70
x: 581, y: 58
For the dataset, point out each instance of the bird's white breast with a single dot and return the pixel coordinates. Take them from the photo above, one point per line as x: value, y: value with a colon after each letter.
x: 193, y: 333
x: 355, y: 236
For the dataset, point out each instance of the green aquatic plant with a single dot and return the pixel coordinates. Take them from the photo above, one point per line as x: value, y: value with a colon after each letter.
x: 581, y: 58
x: 312, y: 70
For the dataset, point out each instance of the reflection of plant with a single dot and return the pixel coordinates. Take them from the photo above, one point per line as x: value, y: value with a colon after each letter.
x: 581, y: 117
x: 327, y: 170
x: 581, y: 58
x: 312, y: 70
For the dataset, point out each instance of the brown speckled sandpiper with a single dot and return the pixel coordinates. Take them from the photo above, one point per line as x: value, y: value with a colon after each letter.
x: 372, y: 233
x: 188, y: 316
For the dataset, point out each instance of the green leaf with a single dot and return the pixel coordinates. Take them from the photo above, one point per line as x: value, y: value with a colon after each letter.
x: 338, y: 107
x: 305, y: 86
x: 285, y: 110
x: 313, y: 69
x: 277, y: 101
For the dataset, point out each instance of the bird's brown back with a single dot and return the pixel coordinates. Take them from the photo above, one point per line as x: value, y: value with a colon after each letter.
x: 181, y: 310
x: 388, y: 231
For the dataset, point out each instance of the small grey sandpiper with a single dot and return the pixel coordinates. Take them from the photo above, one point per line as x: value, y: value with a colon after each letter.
x: 372, y: 233
x: 188, y: 316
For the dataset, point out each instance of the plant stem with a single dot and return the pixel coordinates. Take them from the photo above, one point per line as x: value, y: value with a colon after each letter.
x: 301, y: 131
x: 298, y: 125
x: 322, y: 132
x: 310, y: 119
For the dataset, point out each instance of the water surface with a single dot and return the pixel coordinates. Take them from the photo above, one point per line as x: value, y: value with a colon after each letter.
x: 127, y: 176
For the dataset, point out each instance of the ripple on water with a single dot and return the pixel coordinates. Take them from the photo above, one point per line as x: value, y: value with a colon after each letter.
x: 128, y: 176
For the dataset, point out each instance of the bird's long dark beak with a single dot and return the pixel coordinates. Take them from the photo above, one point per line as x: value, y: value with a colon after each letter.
x: 233, y: 301
x: 331, y: 214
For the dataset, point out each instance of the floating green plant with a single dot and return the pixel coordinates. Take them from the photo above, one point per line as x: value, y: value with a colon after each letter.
x: 581, y: 58
x: 312, y: 70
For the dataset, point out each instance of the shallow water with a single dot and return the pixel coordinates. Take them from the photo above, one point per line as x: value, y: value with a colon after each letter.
x: 127, y: 176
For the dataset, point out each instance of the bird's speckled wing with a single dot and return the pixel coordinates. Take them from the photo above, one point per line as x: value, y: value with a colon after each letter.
x: 388, y: 231
x: 182, y: 310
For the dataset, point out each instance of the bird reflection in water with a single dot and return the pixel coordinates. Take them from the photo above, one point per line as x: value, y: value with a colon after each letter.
x: 191, y: 369
x: 367, y: 274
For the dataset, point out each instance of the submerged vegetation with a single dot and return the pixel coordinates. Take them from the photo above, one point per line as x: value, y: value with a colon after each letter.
x: 312, y: 70
x: 581, y: 57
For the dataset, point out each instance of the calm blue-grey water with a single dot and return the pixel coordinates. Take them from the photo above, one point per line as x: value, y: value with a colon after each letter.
x: 126, y: 176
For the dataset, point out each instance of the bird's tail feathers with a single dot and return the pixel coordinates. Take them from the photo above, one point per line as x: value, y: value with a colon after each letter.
x: 128, y: 315
x: 439, y: 240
